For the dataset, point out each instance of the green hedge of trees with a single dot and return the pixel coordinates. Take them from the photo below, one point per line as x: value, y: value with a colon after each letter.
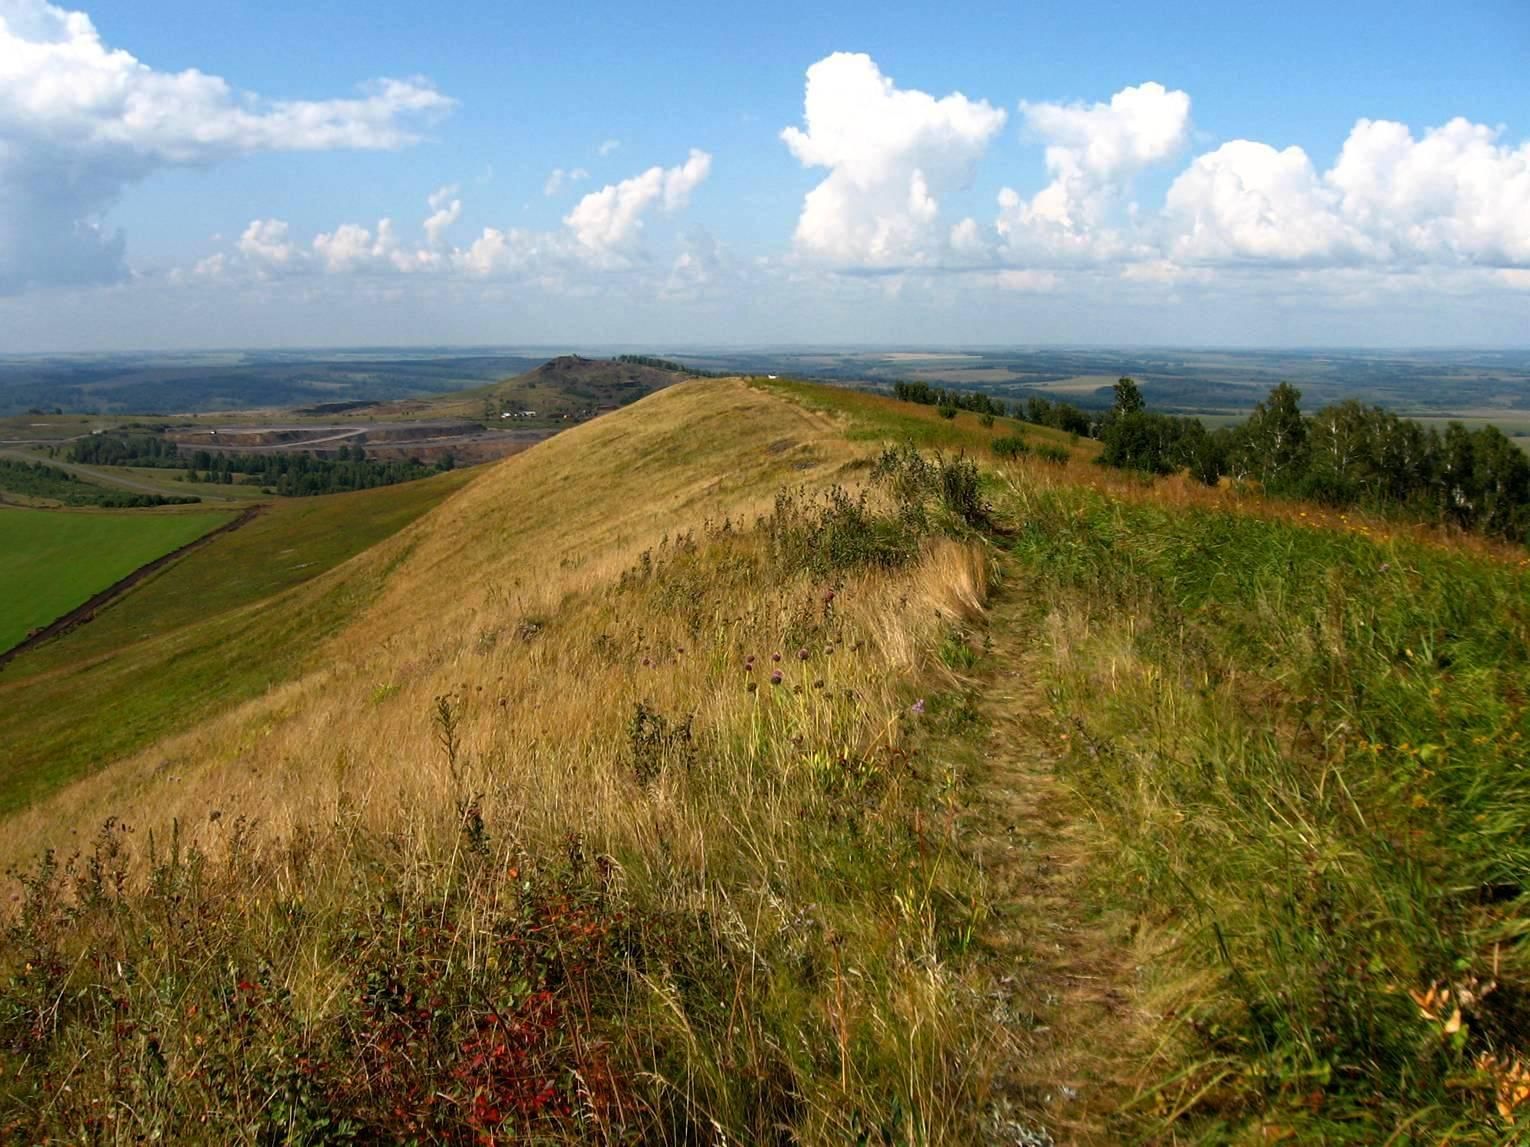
x: 291, y: 475
x: 665, y: 364
x: 1346, y: 454
x: 39, y: 480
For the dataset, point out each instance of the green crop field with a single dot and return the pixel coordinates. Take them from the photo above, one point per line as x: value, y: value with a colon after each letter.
x: 195, y: 636
x: 52, y: 561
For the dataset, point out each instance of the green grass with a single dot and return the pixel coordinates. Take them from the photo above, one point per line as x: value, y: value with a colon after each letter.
x: 168, y: 482
x: 52, y: 561
x: 223, y: 625
x: 1306, y: 753
x: 880, y: 418
x: 292, y: 542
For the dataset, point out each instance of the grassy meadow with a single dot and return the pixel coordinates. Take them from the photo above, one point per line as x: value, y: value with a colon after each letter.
x: 52, y: 561
x: 1304, y: 753
x: 709, y: 774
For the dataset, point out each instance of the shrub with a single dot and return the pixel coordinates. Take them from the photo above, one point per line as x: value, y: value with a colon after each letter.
x: 1057, y: 455
x: 961, y: 491
x: 915, y: 481
x: 655, y: 741
x: 826, y: 533
x: 1010, y: 446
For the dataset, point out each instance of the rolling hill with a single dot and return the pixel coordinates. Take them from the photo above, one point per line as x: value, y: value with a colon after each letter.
x: 774, y: 763
x: 565, y: 387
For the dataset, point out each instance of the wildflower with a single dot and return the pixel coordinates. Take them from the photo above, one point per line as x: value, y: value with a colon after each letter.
x: 775, y: 657
x: 1385, y: 566
x: 917, y: 707
x: 818, y: 684
x: 802, y: 655
x: 752, y: 686
x: 647, y: 662
x: 775, y: 677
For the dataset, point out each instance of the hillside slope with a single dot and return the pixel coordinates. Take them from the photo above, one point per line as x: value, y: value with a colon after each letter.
x: 572, y: 512
x: 711, y: 773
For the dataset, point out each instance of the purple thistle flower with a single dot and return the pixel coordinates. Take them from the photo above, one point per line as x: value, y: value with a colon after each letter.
x: 775, y: 657
x: 775, y: 677
x: 802, y: 655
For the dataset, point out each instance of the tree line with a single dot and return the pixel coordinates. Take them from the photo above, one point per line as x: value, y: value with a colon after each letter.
x: 39, y: 480
x: 292, y: 475
x: 665, y: 364
x: 1346, y: 454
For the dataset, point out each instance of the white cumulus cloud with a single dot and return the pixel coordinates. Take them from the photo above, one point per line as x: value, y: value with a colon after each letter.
x: 1093, y: 151
x: 265, y: 243
x: 445, y: 209
x: 1245, y: 201
x: 603, y: 232
x: 1456, y: 196
x: 351, y: 247
x: 81, y: 121
x: 609, y: 220
x: 891, y: 153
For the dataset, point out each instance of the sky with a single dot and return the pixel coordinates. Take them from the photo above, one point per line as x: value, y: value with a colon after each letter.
x: 305, y: 173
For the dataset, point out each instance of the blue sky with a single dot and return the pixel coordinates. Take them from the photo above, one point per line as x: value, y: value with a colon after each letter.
x: 178, y: 174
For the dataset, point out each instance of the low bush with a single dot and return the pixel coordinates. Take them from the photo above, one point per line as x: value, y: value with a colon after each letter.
x: 1010, y: 446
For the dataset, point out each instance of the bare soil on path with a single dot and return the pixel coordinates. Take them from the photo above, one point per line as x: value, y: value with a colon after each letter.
x: 1062, y: 977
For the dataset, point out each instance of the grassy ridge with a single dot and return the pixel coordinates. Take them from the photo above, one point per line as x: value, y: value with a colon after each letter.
x: 594, y: 826
x: 52, y: 561
x: 627, y: 804
x: 1301, y: 734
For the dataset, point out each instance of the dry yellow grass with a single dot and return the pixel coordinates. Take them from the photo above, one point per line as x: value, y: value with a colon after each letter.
x: 494, y: 599
x: 499, y: 670
x: 560, y: 519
